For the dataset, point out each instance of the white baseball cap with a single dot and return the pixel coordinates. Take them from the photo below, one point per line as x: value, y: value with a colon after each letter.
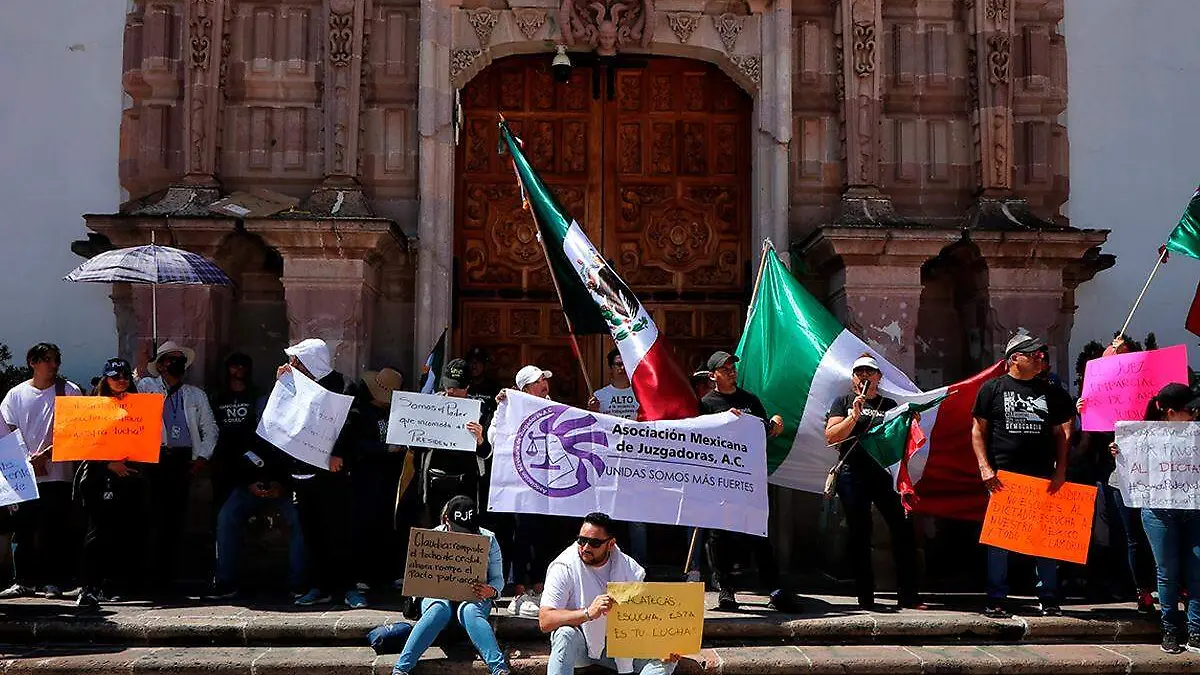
x: 865, y: 362
x: 314, y: 354
x: 530, y: 374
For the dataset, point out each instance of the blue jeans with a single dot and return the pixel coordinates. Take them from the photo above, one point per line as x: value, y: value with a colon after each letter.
x: 234, y: 514
x: 435, y: 616
x: 568, y: 651
x: 1126, y: 524
x: 997, y: 577
x: 1174, y: 536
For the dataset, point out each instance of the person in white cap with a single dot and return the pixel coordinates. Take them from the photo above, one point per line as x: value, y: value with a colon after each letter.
x: 861, y: 481
x: 189, y: 437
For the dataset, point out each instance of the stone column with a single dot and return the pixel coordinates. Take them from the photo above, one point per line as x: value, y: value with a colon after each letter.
x: 773, y: 128
x: 435, y: 126
x: 340, y: 194
x: 330, y: 281
x: 203, y: 40
x: 989, y: 88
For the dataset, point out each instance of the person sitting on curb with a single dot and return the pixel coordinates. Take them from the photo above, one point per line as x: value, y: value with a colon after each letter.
x: 459, y: 515
x: 575, y: 604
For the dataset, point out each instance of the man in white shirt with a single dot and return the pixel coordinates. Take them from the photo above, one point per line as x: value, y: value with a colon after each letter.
x: 574, y: 607
x: 29, y: 408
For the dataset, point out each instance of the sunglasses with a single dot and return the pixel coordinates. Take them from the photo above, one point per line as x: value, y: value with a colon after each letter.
x: 118, y: 376
x: 592, y: 542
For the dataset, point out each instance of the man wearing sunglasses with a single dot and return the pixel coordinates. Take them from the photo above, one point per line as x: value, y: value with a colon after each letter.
x: 1022, y: 424
x: 575, y: 604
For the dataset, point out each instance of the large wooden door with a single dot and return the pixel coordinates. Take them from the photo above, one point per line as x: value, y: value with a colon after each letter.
x: 657, y: 171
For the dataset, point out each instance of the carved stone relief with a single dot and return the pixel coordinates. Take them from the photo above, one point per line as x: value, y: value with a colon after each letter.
x: 529, y: 21
x: 999, y: 56
x: 606, y: 25
x: 751, y: 67
x: 683, y: 25
x: 463, y: 59
x: 483, y: 20
x: 341, y: 33
x: 729, y: 27
x: 997, y: 10
x: 864, y: 48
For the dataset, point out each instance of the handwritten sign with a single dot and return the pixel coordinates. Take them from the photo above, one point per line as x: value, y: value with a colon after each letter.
x: 655, y: 620
x: 107, y: 428
x: 304, y: 419
x: 429, y: 421
x: 1025, y: 518
x: 1158, y: 464
x: 445, y: 564
x: 17, y: 482
x: 1117, y: 388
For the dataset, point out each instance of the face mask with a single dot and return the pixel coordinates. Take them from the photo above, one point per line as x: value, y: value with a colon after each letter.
x: 175, y: 368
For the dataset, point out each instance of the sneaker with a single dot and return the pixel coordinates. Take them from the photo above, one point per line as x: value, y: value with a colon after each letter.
x: 727, y: 601
x: 1145, y: 602
x: 784, y: 602
x: 514, y: 608
x: 314, y: 596
x: 355, y: 599
x: 533, y: 603
x: 996, y: 611
x: 1049, y: 609
x: 221, y: 592
x: 52, y: 592
x: 1193, y: 643
x: 16, y: 591
x: 87, y: 600
x: 1170, y: 643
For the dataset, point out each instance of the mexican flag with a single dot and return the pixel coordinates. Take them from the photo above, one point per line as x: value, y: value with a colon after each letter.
x: 431, y: 370
x: 796, y: 357
x: 1185, y: 238
x: 897, y: 443
x: 596, y: 300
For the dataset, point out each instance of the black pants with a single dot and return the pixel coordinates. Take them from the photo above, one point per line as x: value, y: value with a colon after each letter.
x: 373, y: 536
x: 43, y: 534
x: 114, y: 545
x: 323, y: 503
x: 722, y: 548
x: 170, y: 489
x: 859, y: 487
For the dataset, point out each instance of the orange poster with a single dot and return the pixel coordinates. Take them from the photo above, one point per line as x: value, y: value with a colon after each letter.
x: 105, y: 428
x: 1023, y: 517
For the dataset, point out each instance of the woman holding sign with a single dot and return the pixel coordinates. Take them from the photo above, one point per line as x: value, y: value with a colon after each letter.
x: 460, y: 515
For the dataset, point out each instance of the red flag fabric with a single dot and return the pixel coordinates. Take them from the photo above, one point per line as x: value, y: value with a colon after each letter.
x: 904, y: 484
x: 1193, y: 317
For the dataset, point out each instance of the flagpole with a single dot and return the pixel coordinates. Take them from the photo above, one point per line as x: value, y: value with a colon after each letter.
x: 1162, y: 257
x: 762, y: 265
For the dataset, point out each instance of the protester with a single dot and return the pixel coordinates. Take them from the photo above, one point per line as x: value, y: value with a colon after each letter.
x: 113, y: 496
x: 261, y: 484
x: 460, y: 515
x: 1174, y: 536
x: 618, y: 399
x: 322, y: 498
x: 235, y: 407
x: 42, y: 533
x: 722, y: 546
x: 702, y: 382
x: 479, y: 374
x: 575, y: 604
x: 446, y: 474
x: 1021, y: 425
x: 862, y: 482
x: 189, y: 438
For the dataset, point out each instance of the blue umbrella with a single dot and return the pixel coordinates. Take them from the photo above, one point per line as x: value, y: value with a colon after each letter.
x: 152, y: 265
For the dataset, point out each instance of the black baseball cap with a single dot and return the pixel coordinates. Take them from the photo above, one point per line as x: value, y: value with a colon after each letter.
x: 462, y: 514
x: 114, y: 367
x: 454, y: 375
x: 1176, y: 396
x: 719, y: 359
x: 1023, y: 344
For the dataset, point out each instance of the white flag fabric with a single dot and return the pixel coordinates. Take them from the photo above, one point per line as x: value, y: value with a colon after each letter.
x: 708, y: 471
x: 303, y: 419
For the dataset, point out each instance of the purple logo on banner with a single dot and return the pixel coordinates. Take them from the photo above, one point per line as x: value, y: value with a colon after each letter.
x: 550, y: 451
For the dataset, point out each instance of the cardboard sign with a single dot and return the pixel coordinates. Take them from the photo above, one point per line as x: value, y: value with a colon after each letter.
x: 108, y: 429
x: 445, y: 565
x: 304, y: 419
x: 429, y: 421
x: 1158, y: 464
x: 17, y: 482
x: 1025, y: 518
x: 655, y: 620
x: 1117, y: 388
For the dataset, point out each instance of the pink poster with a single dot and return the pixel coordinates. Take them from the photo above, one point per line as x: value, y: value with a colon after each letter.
x: 1117, y: 388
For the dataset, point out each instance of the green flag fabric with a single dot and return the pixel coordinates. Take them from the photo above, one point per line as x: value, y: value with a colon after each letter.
x: 1185, y: 238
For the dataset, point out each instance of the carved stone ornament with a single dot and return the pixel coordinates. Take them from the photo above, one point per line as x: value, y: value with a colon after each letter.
x: 200, y: 29
x: 529, y: 21
x: 461, y: 59
x: 483, y: 20
x: 606, y: 25
x: 729, y: 27
x: 997, y: 10
x: 999, y: 56
x: 341, y: 32
x: 864, y: 48
x: 683, y: 25
x: 751, y: 67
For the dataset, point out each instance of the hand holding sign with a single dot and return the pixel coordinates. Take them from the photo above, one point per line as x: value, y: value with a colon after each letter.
x: 654, y: 620
x: 430, y: 421
x: 448, y: 565
x: 1025, y: 517
x: 17, y: 481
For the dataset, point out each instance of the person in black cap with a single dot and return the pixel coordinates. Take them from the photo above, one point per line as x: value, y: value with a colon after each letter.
x: 445, y: 474
x: 722, y: 546
x: 1022, y: 424
x: 479, y: 373
x: 461, y: 515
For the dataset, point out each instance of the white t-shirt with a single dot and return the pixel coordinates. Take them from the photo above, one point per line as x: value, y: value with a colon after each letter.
x: 562, y: 592
x: 619, y: 402
x: 32, y: 411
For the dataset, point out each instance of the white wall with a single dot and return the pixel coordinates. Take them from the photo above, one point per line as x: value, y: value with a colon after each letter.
x: 60, y: 115
x: 1133, y: 105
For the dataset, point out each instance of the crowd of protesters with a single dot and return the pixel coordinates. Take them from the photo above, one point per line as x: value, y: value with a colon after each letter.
x: 347, y: 526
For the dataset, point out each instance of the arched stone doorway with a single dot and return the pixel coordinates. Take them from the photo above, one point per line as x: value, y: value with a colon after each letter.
x: 652, y: 157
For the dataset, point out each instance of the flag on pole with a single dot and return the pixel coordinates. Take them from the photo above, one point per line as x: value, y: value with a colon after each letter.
x: 431, y: 371
x: 597, y: 301
x: 898, y: 442
x: 1185, y: 238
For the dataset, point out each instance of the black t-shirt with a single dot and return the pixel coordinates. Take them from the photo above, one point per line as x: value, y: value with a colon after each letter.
x: 1021, y: 416
x: 237, y: 418
x: 873, y: 413
x: 740, y: 399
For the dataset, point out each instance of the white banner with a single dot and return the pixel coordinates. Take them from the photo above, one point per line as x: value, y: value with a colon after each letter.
x: 708, y: 471
x: 17, y: 482
x: 1158, y: 464
x: 432, y: 421
x: 303, y: 419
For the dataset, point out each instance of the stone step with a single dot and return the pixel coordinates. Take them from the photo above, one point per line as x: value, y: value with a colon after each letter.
x: 1082, y: 659
x: 827, y: 620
